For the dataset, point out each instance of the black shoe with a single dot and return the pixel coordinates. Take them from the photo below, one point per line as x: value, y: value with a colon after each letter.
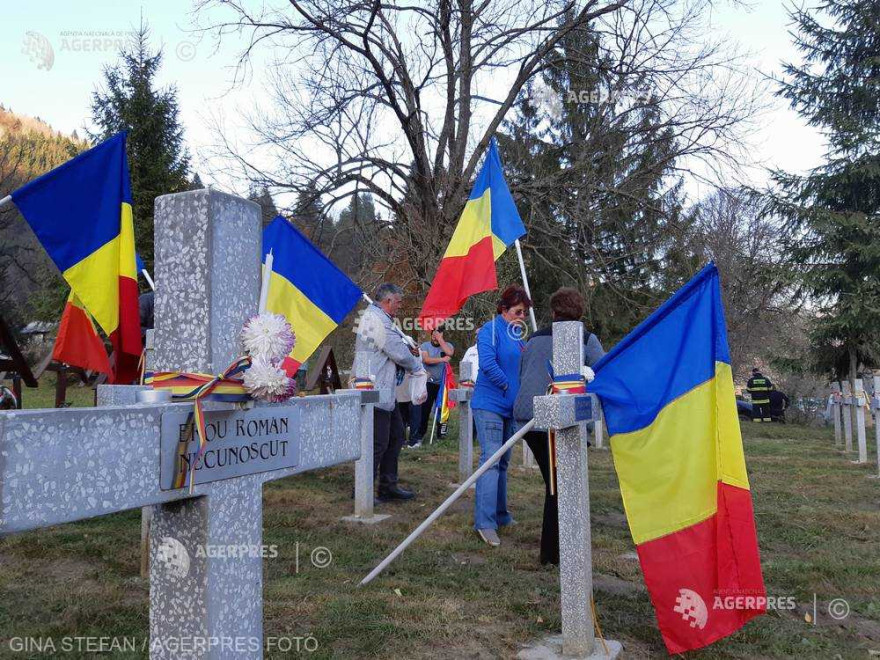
x: 394, y: 493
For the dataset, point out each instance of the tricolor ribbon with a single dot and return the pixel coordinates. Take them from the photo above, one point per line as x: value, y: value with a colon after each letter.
x: 363, y: 384
x: 198, y: 388
x: 564, y: 384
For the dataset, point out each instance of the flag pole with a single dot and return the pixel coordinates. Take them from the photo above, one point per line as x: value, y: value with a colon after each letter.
x: 149, y: 279
x: 5, y: 201
x: 494, y: 458
x: 522, y: 269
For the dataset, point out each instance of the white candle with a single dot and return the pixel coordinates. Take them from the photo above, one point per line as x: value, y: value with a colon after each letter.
x: 264, y: 288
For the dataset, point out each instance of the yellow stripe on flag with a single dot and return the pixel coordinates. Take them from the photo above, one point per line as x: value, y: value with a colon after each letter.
x: 475, y: 225
x: 669, y: 471
x: 309, y: 322
x: 127, y: 263
x: 95, y: 279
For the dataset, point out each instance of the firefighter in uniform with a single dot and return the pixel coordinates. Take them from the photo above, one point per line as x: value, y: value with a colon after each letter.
x: 759, y: 387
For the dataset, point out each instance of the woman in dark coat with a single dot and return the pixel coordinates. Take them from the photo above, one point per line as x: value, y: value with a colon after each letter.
x: 534, y: 378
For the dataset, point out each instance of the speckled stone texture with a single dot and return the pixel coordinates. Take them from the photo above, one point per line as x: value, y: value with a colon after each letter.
x: 63, y: 465
x: 835, y: 413
x: 463, y: 396
x: 858, y: 406
x: 875, y: 407
x: 575, y: 550
x: 847, y: 416
x: 207, y: 278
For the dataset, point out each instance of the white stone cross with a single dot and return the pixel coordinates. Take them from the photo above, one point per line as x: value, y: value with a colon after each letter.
x: 58, y: 466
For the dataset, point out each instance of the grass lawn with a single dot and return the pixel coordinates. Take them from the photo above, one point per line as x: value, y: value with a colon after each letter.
x: 818, y: 519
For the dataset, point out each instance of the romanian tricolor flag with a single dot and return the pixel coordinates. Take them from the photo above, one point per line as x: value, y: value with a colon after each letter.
x: 488, y: 225
x: 78, y: 342
x: 667, y: 394
x: 81, y: 213
x: 443, y: 403
x: 306, y: 288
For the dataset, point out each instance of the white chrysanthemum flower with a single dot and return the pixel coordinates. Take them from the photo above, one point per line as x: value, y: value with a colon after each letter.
x: 268, y: 337
x: 264, y: 380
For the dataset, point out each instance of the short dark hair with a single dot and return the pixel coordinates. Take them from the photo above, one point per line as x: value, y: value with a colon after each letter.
x: 512, y: 296
x: 567, y: 304
x: 756, y: 370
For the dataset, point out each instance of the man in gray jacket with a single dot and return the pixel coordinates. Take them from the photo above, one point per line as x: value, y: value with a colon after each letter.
x: 381, y: 352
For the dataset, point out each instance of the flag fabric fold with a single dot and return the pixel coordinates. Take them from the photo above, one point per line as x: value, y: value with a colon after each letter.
x: 305, y: 287
x: 82, y: 214
x: 667, y: 394
x: 443, y: 403
x: 488, y: 225
x: 78, y: 342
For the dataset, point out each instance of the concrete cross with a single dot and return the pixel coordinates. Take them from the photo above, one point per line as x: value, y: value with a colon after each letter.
x: 66, y: 465
x: 847, y: 416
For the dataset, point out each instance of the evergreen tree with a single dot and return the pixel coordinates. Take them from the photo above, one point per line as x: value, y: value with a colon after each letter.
x: 130, y: 100
x: 833, y: 213
x: 263, y: 197
x: 196, y: 183
x: 593, y: 183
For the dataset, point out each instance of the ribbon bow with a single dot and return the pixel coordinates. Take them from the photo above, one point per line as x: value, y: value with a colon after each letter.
x: 198, y: 387
x: 564, y: 384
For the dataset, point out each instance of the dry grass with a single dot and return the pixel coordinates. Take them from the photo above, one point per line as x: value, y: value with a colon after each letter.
x: 818, y: 520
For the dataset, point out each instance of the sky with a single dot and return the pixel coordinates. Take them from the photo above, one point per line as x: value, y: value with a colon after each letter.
x: 54, y: 52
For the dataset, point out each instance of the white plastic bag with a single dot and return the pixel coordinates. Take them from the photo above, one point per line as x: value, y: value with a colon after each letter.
x: 418, y: 387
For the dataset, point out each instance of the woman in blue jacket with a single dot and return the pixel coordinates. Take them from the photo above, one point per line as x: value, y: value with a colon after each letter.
x: 499, y: 345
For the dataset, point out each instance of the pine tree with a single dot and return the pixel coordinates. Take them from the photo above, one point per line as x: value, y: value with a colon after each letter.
x: 263, y: 197
x: 595, y: 185
x: 157, y: 158
x: 833, y: 213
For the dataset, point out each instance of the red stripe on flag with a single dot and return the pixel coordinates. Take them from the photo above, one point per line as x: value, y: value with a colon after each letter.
x: 705, y: 580
x: 126, y: 339
x: 456, y: 279
x: 290, y: 366
x: 78, y: 343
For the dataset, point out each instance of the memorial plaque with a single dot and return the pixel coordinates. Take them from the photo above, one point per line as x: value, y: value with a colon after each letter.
x: 239, y: 442
x: 583, y: 408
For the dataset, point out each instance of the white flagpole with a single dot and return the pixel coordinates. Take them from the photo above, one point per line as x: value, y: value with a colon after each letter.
x: 6, y: 200
x: 522, y: 269
x: 149, y: 279
x: 264, y: 288
x: 494, y: 458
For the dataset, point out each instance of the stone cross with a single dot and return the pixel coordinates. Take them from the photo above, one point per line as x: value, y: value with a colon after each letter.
x: 875, y: 409
x: 835, y: 413
x: 569, y: 414
x: 847, y: 416
x: 463, y: 395
x: 72, y: 464
x: 859, y: 405
x: 364, y: 470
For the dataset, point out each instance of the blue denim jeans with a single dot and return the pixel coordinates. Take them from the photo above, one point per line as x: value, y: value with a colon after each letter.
x: 490, y: 502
